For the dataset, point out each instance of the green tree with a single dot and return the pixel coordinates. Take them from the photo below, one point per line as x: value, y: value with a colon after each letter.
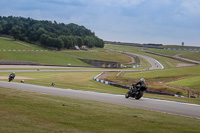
x: 55, y: 42
x: 31, y: 30
x: 89, y: 41
x: 65, y: 40
x: 16, y: 32
x: 79, y: 41
x: 72, y: 41
x: 43, y: 39
x: 40, y: 32
x: 99, y: 42
x: 1, y: 28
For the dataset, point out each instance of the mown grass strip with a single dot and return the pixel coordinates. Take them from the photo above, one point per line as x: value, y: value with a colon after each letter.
x: 82, y: 81
x: 166, y: 62
x: 32, y: 112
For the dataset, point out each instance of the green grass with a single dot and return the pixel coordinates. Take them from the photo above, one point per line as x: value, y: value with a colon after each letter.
x: 166, y: 62
x: 166, y: 73
x: 49, y: 57
x: 177, y: 80
x: 186, y: 76
x: 181, y: 47
x: 72, y: 80
x: 189, y: 82
x: 22, y: 111
x: 99, y: 54
x: 194, y: 55
x: 10, y: 44
x: 82, y: 81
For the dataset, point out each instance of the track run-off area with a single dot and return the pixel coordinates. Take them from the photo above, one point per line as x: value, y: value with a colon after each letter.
x: 170, y: 107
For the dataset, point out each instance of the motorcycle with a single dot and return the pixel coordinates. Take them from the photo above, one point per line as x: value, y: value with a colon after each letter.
x: 11, y: 77
x: 135, y: 92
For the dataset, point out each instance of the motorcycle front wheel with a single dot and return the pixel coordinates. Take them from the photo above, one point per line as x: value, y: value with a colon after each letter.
x: 127, y: 95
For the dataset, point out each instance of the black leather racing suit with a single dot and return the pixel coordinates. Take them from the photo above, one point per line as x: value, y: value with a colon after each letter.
x: 139, y: 85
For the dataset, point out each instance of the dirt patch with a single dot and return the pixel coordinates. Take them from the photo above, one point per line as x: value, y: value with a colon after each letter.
x: 132, y: 60
x: 104, y: 75
x: 24, y: 44
x: 161, y: 91
x: 16, y: 77
x: 184, y: 64
x: 177, y: 55
x: 9, y: 39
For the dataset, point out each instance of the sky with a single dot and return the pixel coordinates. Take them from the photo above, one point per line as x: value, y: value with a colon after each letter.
x: 168, y: 22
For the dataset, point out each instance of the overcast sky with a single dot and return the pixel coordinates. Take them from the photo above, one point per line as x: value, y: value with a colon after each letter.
x: 141, y: 21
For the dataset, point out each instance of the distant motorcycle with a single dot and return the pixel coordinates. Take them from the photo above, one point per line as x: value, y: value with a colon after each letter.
x: 11, y: 77
x: 135, y: 92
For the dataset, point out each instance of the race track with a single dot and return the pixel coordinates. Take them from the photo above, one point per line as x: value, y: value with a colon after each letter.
x: 183, y: 109
x: 177, y: 108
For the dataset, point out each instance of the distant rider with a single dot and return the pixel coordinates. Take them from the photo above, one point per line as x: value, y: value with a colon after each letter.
x: 12, y: 75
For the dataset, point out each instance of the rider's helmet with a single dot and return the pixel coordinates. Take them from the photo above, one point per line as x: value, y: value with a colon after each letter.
x: 142, y: 79
x: 13, y: 72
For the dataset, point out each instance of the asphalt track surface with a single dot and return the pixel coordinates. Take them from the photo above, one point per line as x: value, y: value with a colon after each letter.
x: 171, y: 107
x: 154, y: 63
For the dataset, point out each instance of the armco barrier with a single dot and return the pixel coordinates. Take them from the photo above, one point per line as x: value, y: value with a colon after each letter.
x: 182, y: 48
x: 102, y: 81
x: 178, y: 96
x: 176, y: 58
x: 136, y: 66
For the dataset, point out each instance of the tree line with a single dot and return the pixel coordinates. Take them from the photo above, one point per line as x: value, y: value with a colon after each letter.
x: 48, y: 33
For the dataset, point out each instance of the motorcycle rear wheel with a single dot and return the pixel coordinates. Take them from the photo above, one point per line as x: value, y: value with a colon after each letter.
x: 139, y: 95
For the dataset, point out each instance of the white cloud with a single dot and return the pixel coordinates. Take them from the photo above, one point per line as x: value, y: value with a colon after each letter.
x: 191, y: 7
x: 159, y: 21
x: 128, y: 3
x: 121, y: 3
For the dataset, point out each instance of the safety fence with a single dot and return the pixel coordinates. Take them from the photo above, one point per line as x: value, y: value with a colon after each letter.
x: 182, y: 48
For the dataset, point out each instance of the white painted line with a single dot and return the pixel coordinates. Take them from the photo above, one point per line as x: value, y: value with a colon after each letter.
x: 171, y: 101
x: 162, y: 67
x: 119, y: 73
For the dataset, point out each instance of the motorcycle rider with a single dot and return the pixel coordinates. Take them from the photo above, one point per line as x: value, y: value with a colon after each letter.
x: 12, y: 75
x: 141, y: 83
x: 138, y: 85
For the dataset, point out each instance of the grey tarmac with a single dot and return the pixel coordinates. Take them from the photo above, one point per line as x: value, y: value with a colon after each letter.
x: 177, y: 108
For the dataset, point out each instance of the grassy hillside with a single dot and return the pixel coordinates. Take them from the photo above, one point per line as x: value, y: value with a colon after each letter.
x: 178, y: 46
x: 99, y: 54
x: 167, y: 62
x: 11, y: 44
x: 190, y: 54
x: 177, y: 80
x: 46, y: 58
x: 53, y: 57
x: 84, y: 81
x: 32, y: 112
